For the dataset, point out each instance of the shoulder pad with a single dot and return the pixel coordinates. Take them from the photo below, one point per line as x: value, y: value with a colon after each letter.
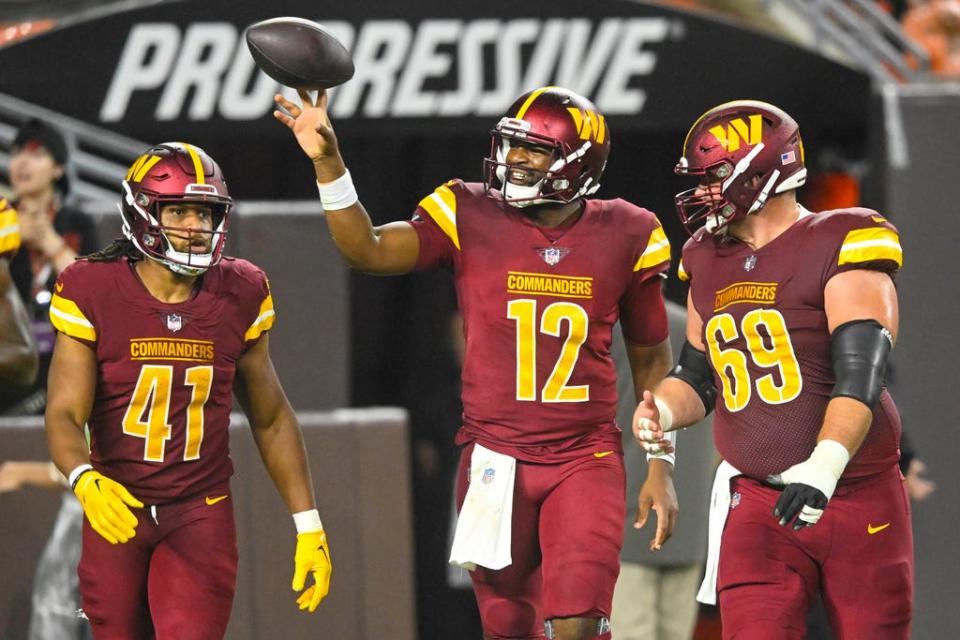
x: 441, y: 207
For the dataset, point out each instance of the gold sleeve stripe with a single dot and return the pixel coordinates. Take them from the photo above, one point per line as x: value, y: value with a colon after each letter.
x: 442, y: 207
x: 9, y: 228
x: 66, y: 316
x: 197, y: 165
x: 682, y: 273
x: 657, y: 251
x: 868, y: 245
x: 529, y: 101
x: 263, y: 322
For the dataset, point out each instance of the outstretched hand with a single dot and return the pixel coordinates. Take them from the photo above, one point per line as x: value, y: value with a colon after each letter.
x: 310, y: 124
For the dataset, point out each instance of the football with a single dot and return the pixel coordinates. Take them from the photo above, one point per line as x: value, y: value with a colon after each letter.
x: 298, y: 53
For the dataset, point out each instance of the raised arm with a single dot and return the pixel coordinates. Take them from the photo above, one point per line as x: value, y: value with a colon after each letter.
x: 385, y: 250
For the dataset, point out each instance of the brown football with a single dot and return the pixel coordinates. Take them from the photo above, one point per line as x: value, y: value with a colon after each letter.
x: 299, y: 53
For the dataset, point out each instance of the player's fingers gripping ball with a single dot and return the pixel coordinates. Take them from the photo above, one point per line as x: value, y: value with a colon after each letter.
x: 105, y: 503
x: 312, y: 557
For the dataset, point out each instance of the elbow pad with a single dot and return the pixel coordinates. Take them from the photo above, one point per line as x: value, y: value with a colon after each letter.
x: 693, y: 368
x: 859, y: 352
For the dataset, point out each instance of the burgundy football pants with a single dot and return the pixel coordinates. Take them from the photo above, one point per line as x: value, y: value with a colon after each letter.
x: 860, y: 555
x: 173, y: 581
x: 567, y: 531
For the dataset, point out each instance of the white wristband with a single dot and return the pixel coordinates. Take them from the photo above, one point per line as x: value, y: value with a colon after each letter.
x: 72, y: 478
x: 338, y: 194
x: 669, y: 457
x: 666, y: 421
x: 307, y: 521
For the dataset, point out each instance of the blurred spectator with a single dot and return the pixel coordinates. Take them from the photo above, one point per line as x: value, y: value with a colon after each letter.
x: 935, y: 26
x: 52, y: 235
x: 18, y: 353
x: 655, y: 595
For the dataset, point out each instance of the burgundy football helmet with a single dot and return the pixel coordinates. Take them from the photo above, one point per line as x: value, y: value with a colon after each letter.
x: 169, y: 173
x: 563, y: 121
x: 752, y: 149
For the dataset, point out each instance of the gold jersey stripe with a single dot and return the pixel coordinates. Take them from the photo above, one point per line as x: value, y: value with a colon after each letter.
x: 197, y: 165
x: 141, y: 172
x: 441, y: 205
x: 264, y: 320
x: 868, y: 245
x: 67, y: 318
x: 529, y: 101
x: 682, y: 273
x: 657, y: 251
x: 9, y: 228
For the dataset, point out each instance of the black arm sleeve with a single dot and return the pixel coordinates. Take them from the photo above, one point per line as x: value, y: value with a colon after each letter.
x: 859, y: 352
x: 693, y: 368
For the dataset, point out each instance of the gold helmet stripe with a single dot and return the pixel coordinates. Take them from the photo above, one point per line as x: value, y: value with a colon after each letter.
x: 529, y: 101
x: 197, y: 165
x: 141, y: 173
x: 136, y: 165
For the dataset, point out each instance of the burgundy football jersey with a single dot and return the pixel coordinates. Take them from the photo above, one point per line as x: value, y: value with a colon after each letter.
x: 165, y: 371
x: 539, y: 306
x: 766, y: 336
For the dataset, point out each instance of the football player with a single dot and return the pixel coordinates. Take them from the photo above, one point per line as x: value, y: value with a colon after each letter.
x: 791, y: 317
x: 155, y: 334
x: 18, y: 349
x: 542, y: 272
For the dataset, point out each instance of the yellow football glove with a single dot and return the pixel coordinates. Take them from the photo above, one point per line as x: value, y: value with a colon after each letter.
x: 312, y: 556
x: 105, y: 503
x: 9, y: 230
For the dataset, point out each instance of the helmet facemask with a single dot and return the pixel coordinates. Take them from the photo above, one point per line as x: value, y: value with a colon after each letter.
x: 151, y: 237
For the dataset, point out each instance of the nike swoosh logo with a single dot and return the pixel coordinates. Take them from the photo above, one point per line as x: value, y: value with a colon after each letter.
x: 872, y: 529
x: 602, y: 454
x: 213, y: 501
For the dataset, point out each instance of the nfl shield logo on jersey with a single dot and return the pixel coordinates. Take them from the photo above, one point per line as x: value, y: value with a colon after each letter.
x: 488, y: 475
x: 553, y: 255
x: 750, y: 263
x: 174, y: 322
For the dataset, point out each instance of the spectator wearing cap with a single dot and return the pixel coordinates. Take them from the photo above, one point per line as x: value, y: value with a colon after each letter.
x: 52, y: 235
